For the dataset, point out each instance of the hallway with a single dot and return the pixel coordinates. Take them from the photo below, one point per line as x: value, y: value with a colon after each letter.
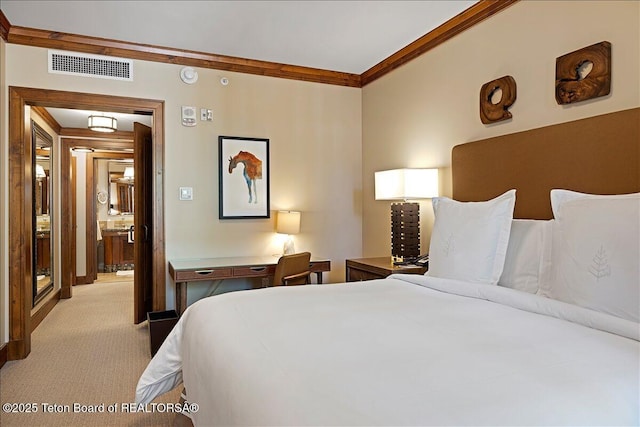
x: 86, y: 351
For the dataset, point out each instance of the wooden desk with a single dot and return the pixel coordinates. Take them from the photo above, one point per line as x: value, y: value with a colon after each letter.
x: 183, y: 271
x: 377, y: 268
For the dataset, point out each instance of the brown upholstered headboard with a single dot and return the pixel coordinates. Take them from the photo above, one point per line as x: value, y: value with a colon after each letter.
x: 599, y: 155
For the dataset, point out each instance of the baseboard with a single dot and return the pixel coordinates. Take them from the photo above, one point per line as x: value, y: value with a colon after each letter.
x: 46, y: 308
x: 83, y: 280
x: 17, y: 349
x: 3, y: 355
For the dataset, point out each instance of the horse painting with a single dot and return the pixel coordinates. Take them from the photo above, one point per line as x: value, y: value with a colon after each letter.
x: 252, y: 171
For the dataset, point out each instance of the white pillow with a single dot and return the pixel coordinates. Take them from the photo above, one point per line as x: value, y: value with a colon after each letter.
x: 596, y: 252
x: 469, y: 239
x: 528, y: 255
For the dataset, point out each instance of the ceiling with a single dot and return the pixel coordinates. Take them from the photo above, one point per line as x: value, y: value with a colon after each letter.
x: 345, y: 36
x: 79, y: 118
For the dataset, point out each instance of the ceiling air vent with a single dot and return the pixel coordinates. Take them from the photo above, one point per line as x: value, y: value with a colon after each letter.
x: 83, y: 64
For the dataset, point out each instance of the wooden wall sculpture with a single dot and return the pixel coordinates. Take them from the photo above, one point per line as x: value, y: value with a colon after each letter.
x: 490, y: 112
x: 574, y: 81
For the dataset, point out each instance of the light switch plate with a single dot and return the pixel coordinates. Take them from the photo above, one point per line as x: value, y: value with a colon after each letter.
x: 206, y: 115
x: 186, y: 193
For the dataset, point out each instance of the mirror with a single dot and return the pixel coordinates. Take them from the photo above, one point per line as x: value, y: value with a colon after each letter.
x: 41, y: 161
x: 121, y: 180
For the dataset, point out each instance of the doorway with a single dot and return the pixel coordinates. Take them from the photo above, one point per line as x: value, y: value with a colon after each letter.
x: 21, y: 201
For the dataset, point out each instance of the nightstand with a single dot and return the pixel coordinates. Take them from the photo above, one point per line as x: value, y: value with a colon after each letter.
x: 377, y: 268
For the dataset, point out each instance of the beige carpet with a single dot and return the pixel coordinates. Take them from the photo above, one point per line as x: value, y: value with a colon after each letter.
x: 86, y: 351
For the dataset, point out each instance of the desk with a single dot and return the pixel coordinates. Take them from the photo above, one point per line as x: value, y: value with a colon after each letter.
x: 183, y: 271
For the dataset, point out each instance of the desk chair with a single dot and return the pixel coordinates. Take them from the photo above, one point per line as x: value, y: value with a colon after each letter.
x: 292, y: 270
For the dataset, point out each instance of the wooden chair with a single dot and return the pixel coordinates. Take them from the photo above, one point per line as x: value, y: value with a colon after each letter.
x: 293, y: 270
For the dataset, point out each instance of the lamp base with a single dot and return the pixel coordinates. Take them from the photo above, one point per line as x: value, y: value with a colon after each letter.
x: 405, y: 231
x: 288, y: 247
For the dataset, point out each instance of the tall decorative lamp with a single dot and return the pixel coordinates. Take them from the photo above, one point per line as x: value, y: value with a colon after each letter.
x: 405, y: 184
x: 288, y: 222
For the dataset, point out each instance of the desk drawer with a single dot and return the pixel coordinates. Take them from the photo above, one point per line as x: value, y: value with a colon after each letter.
x: 317, y: 266
x: 204, y: 274
x: 355, y: 275
x: 254, y: 271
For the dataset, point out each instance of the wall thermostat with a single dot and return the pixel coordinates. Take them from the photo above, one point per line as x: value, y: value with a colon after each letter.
x: 186, y: 193
x: 188, y: 116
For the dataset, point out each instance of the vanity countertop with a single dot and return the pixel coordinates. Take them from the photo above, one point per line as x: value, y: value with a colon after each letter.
x: 115, y: 230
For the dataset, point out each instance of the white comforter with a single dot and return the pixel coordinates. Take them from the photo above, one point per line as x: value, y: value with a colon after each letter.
x: 406, y: 350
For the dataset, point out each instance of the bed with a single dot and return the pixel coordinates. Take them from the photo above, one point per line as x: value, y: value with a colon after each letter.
x: 521, y: 319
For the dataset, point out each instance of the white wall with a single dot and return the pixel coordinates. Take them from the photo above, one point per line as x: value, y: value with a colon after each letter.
x: 414, y: 116
x: 315, y: 151
x: 81, y: 213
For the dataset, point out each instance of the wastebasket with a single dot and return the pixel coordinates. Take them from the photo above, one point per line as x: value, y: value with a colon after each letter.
x: 160, y: 324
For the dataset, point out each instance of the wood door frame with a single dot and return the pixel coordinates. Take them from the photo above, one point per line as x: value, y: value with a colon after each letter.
x: 20, y: 201
x: 90, y: 209
x: 92, y: 227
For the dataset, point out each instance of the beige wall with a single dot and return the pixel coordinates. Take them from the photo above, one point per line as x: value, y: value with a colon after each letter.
x: 315, y: 151
x: 415, y: 115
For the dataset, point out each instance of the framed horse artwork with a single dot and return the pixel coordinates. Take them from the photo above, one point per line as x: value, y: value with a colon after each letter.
x: 243, y: 177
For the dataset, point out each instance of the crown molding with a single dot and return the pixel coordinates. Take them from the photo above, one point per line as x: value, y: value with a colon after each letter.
x: 459, y: 23
x: 100, y: 46
x: 5, y: 26
x: 48, y: 118
x: 119, y: 135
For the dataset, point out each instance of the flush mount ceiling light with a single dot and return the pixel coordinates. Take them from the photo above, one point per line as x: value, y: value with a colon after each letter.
x: 82, y: 149
x: 189, y: 75
x: 103, y: 123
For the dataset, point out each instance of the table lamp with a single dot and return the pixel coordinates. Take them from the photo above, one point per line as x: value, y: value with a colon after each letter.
x: 288, y: 222
x: 405, y: 184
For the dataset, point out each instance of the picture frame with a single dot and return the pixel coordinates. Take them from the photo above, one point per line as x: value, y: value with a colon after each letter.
x: 243, y: 177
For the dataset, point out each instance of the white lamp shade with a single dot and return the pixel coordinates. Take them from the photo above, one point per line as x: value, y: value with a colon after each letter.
x: 405, y: 184
x: 40, y: 173
x: 288, y: 222
x: 128, y: 172
x: 103, y: 123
